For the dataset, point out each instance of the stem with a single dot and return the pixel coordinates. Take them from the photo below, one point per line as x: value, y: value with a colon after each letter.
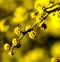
x: 47, y: 11
x: 53, y: 8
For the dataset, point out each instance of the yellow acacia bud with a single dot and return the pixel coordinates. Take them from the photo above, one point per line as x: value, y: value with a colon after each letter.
x: 38, y: 7
x: 17, y: 31
x: 27, y: 27
x: 32, y: 34
x: 53, y: 59
x: 6, y: 46
x: 11, y: 53
x: 34, y: 14
x: 38, y: 18
x: 15, y: 41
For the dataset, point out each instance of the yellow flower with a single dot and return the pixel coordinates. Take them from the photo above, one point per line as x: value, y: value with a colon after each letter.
x: 15, y: 41
x: 53, y: 59
x: 6, y: 46
x: 38, y: 18
x: 38, y: 7
x: 17, y: 31
x: 11, y: 53
x: 27, y: 27
x: 32, y: 34
x: 34, y: 14
x: 41, y: 3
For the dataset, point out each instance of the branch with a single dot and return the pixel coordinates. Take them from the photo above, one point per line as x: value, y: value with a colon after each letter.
x: 53, y: 8
x: 45, y: 14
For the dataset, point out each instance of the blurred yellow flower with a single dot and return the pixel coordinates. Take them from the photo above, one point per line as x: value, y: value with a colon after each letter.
x: 3, y: 28
x: 55, y: 50
x: 15, y: 41
x: 6, y: 46
x: 35, y: 55
x: 10, y: 53
x: 53, y: 59
x: 33, y: 15
x: 53, y: 23
x: 19, y: 15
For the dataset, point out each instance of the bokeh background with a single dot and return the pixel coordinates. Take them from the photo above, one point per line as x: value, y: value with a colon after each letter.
x: 46, y: 44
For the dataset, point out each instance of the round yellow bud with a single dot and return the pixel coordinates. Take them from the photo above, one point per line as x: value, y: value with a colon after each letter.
x: 27, y: 27
x: 38, y: 18
x: 32, y: 34
x: 11, y: 53
x: 15, y: 41
x: 53, y: 59
x: 38, y: 7
x: 17, y: 31
x: 34, y: 14
x: 6, y: 46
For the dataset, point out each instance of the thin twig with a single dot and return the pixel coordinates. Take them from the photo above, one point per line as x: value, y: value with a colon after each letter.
x: 47, y: 11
